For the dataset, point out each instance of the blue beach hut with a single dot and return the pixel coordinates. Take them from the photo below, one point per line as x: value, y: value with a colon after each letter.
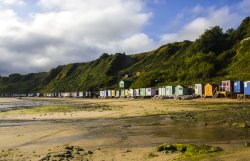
x: 238, y: 87
x: 247, y: 88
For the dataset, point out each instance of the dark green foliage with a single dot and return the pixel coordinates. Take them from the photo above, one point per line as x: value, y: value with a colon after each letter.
x: 212, y: 57
x: 21, y: 83
x: 14, y: 75
x: 213, y: 40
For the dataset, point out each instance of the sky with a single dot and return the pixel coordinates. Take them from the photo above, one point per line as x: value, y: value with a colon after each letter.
x: 37, y: 35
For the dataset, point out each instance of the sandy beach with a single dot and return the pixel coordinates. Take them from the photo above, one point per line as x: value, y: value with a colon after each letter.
x: 122, y: 129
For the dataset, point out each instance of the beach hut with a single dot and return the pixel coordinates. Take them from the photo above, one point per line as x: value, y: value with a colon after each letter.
x: 238, y: 87
x: 74, y: 94
x: 126, y: 93
x: 162, y: 91
x: 131, y: 92
x: 90, y: 94
x: 109, y: 93
x: 137, y: 92
x: 170, y: 90
x: 106, y: 93
x: 64, y: 94
x: 87, y: 94
x: 113, y: 93
x: 209, y: 89
x: 117, y: 93
x: 81, y: 94
x: 142, y: 92
x: 227, y: 86
x: 150, y: 92
x: 199, y: 89
x: 124, y: 84
x: 247, y: 88
x: 101, y: 93
x: 122, y: 93
x: 181, y: 90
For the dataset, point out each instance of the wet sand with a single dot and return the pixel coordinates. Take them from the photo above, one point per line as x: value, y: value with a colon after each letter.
x: 127, y: 130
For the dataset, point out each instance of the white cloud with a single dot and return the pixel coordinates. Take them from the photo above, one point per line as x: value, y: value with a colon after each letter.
x: 192, y: 30
x: 12, y: 3
x: 67, y: 31
x: 138, y: 42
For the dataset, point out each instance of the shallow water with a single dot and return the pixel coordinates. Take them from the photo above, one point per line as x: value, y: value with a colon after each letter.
x: 6, y: 106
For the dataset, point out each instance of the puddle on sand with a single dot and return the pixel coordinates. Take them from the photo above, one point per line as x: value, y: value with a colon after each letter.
x: 163, y: 130
x: 203, y: 134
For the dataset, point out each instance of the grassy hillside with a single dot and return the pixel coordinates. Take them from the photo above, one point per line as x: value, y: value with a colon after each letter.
x: 214, y: 56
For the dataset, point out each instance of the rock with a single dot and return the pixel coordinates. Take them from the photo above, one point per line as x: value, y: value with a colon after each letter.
x: 127, y: 126
x: 152, y: 155
x: 205, y: 124
x: 234, y: 124
x: 242, y: 125
x: 246, y: 144
x: 188, y: 114
x: 90, y: 152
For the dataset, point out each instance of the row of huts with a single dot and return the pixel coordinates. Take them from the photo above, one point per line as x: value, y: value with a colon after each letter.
x: 227, y: 88
x: 54, y: 94
x: 70, y: 94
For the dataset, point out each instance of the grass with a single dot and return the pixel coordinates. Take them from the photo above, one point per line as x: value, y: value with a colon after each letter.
x: 189, y: 151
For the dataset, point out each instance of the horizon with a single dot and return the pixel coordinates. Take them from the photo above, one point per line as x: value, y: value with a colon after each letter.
x: 42, y: 34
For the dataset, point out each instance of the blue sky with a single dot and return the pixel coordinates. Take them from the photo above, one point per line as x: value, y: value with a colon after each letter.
x: 167, y: 12
x: 37, y: 35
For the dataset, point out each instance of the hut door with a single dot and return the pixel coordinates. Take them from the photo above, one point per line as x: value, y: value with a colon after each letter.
x: 181, y: 91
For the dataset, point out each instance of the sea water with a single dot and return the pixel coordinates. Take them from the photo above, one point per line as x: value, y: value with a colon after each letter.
x: 16, y: 104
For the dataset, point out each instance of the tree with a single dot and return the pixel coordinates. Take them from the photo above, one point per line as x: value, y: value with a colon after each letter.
x: 212, y: 40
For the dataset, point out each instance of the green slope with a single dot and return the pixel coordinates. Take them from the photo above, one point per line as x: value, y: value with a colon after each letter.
x: 214, y: 56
